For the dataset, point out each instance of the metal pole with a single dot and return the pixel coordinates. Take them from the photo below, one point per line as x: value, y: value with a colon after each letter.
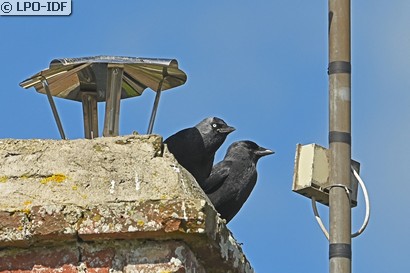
x: 53, y: 108
x: 340, y: 253
x: 90, y: 114
x: 154, y: 109
x: 156, y: 101
x: 112, y: 100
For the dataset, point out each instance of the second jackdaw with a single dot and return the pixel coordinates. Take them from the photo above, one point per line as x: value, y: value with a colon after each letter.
x: 195, y: 147
x: 233, y: 179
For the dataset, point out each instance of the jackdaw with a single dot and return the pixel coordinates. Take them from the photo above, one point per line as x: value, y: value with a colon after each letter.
x: 195, y: 147
x: 232, y: 180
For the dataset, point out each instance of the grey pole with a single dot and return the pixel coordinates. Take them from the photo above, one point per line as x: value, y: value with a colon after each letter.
x: 112, y: 100
x: 156, y: 101
x: 340, y: 253
x: 53, y: 108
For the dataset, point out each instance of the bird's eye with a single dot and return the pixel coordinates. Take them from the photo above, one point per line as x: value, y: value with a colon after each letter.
x: 214, y: 125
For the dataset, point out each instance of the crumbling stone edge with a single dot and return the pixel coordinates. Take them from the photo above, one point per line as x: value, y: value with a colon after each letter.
x: 117, y: 191
x: 193, y: 221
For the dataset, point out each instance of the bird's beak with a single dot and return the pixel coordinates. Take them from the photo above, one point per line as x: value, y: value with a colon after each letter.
x: 226, y: 130
x: 263, y: 151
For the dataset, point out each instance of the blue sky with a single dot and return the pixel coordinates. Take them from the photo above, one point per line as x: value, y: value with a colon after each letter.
x: 261, y: 66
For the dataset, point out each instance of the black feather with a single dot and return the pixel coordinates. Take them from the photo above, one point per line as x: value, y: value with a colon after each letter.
x: 195, y: 147
x: 233, y: 179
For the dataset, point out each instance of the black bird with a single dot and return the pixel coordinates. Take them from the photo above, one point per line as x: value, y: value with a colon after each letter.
x: 232, y: 180
x: 195, y: 147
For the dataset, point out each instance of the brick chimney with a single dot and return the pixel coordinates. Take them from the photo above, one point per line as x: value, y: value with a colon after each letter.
x: 117, y: 204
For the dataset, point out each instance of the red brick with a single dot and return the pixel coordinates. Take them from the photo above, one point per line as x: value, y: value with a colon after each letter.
x: 50, y: 226
x: 98, y: 260
x: 172, y: 225
x: 62, y: 269
x: 39, y: 258
x: 98, y: 270
x: 154, y: 268
x: 13, y: 227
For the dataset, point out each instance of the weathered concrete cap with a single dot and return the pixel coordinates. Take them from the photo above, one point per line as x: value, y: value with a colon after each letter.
x: 129, y: 187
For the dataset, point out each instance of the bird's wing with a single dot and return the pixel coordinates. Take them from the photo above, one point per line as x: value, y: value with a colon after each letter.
x: 187, y: 141
x: 217, y: 177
